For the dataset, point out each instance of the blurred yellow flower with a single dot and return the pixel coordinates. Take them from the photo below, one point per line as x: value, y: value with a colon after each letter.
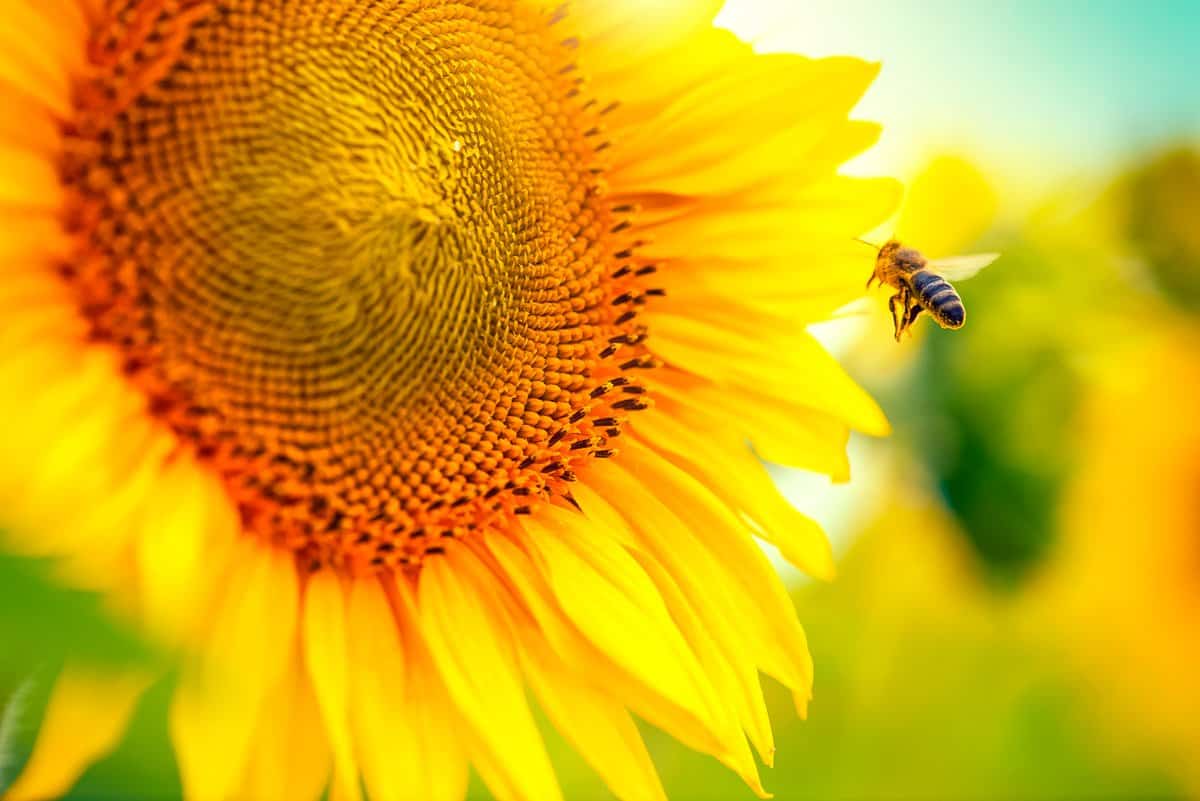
x: 948, y: 206
x: 1122, y: 589
x: 376, y: 360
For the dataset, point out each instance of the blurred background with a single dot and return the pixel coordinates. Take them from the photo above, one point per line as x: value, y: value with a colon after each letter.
x: 1017, y: 614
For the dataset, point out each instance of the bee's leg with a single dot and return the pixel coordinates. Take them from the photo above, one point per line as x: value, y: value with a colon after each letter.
x: 908, y: 313
x: 872, y: 278
x: 913, y: 313
x: 896, y: 317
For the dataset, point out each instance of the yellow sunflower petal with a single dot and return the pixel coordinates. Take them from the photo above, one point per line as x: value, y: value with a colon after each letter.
x: 747, y: 634
x: 327, y: 662
x: 86, y: 718
x: 468, y: 641
x: 83, y: 395
x: 701, y: 597
x: 633, y: 626
x: 773, y: 95
x: 842, y: 142
x: 383, y: 731
x: 697, y: 54
x: 620, y: 37
x: 741, y: 694
x: 40, y: 47
x: 438, y: 750
x: 91, y: 523
x: 747, y: 488
x: 597, y: 725
x: 405, y: 732
x: 33, y: 131
x: 289, y: 753
x: 188, y: 529
x: 777, y: 431
x: 688, y: 512
x: 701, y: 576
x: 801, y: 283
x: 795, y: 368
x: 29, y: 242
x: 27, y: 182
x: 244, y: 656
x: 646, y: 695
x: 774, y: 222
x: 603, y: 591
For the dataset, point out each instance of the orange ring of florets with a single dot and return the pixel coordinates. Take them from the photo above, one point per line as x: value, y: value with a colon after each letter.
x: 359, y: 258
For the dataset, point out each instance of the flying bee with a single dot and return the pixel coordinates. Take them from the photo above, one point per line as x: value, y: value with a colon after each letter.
x: 924, y: 285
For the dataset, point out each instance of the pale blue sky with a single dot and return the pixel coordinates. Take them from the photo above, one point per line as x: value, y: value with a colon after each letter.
x: 1052, y: 88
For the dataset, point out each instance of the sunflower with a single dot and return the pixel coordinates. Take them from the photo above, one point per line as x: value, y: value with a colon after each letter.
x: 1121, y: 594
x: 391, y: 359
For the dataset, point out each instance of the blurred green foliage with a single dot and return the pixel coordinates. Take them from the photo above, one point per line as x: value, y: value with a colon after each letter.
x: 143, y: 767
x: 42, y: 621
x: 1159, y: 207
x: 43, y: 624
x: 997, y: 399
x: 991, y: 410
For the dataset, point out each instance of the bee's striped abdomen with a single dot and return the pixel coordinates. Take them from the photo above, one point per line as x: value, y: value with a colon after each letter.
x: 939, y: 298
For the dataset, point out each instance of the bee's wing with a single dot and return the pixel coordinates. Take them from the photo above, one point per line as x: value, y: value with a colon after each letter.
x: 960, y: 268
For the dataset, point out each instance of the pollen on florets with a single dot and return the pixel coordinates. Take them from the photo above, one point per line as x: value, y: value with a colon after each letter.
x: 387, y: 305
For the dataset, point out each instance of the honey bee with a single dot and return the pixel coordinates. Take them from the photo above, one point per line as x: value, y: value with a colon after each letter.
x: 924, y: 285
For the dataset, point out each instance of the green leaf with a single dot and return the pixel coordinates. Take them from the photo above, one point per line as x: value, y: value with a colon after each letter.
x: 43, y: 621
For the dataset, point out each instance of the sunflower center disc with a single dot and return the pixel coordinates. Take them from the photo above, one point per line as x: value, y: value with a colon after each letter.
x: 355, y: 254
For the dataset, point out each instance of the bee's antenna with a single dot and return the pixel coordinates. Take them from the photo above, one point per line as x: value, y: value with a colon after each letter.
x: 868, y: 244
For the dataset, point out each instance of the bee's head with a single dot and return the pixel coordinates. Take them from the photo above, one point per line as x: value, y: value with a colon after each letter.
x: 886, y: 253
x: 884, y: 258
